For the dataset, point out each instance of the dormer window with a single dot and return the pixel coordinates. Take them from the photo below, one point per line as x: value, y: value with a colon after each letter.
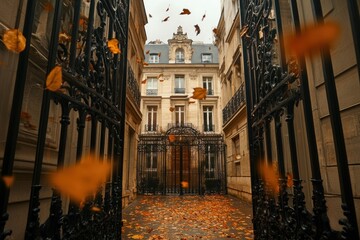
x: 179, y: 56
x: 206, y: 58
x: 154, y: 58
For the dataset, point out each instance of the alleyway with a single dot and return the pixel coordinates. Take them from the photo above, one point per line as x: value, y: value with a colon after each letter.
x: 187, y: 218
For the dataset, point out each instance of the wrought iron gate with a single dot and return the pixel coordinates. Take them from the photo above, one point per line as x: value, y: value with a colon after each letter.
x: 181, y: 161
x: 273, y: 92
x: 93, y: 90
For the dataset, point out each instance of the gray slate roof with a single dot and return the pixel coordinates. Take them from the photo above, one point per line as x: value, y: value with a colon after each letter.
x: 199, y: 49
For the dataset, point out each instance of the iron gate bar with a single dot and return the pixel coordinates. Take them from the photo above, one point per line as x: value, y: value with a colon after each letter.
x: 350, y: 227
x: 14, y: 120
x: 74, y: 34
x: 355, y: 26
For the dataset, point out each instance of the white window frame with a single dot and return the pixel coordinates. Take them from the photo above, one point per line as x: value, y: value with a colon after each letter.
x: 206, y: 58
x: 154, y: 58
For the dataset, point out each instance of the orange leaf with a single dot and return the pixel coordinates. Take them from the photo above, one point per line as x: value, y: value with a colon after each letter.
x: 159, y: 54
x: 215, y: 31
x: 48, y: 7
x: 160, y: 75
x: 54, y: 79
x: 145, y: 64
x: 148, y: 51
x: 197, y: 29
x: 289, y: 180
x: 113, y: 46
x: 165, y: 19
x: 63, y: 37
x: 199, y: 93
x: 270, y: 176
x: 81, y: 180
x: 8, y: 180
x: 14, y: 40
x: 143, y: 81
x: 312, y: 39
x: 161, y: 80
x: 171, y: 109
x: 185, y: 11
x: 138, y: 60
x: 95, y: 209
x: 138, y: 236
x: 184, y: 184
x: 172, y: 138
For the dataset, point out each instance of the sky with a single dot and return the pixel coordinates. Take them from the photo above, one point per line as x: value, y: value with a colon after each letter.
x: 156, y: 29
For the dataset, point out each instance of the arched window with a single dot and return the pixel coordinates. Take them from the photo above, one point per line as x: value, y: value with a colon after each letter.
x: 179, y: 56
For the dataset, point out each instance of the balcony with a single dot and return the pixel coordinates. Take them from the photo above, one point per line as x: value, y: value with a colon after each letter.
x: 133, y: 86
x: 151, y: 128
x: 235, y: 103
x: 171, y: 125
x: 209, y: 128
x: 210, y: 92
x: 151, y: 92
x: 179, y: 90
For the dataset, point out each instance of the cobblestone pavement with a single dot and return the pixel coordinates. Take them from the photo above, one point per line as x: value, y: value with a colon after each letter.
x: 187, y: 218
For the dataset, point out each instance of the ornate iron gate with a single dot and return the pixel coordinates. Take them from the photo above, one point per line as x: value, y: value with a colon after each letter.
x: 94, y: 88
x: 273, y: 91
x: 181, y: 161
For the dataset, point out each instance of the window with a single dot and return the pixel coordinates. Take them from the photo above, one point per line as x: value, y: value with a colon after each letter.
x: 154, y: 58
x: 206, y: 58
x: 236, y: 156
x: 208, y: 84
x: 152, y: 86
x: 209, y: 161
x: 151, y: 158
x: 179, y: 84
x: 152, y: 119
x: 179, y: 115
x: 208, y: 119
x: 179, y: 56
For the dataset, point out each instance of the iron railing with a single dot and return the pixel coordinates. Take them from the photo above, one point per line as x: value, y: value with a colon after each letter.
x: 94, y: 89
x: 133, y: 86
x: 209, y: 128
x: 179, y: 90
x: 235, y: 103
x: 151, y: 92
x: 273, y: 94
x: 151, y: 128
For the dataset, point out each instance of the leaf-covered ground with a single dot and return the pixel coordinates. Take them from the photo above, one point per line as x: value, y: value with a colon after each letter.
x: 187, y: 217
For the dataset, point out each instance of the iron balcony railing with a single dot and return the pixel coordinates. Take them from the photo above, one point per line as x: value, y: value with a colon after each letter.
x: 210, y: 92
x: 151, y: 92
x: 151, y: 128
x: 235, y: 103
x: 133, y: 86
x: 179, y: 90
x: 171, y: 125
x: 209, y: 128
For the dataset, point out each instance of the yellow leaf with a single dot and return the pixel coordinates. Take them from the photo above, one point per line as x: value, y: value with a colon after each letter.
x: 54, y: 79
x: 95, y: 209
x: 81, y: 180
x: 8, y: 180
x: 14, y: 40
x: 137, y: 236
x: 199, y: 93
x: 113, y: 46
x: 63, y: 37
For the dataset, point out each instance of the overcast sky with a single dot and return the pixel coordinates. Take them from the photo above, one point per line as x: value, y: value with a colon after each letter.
x: 156, y: 29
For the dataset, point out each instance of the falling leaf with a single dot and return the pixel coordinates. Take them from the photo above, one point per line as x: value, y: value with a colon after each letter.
x: 139, y: 60
x: 63, y: 37
x: 83, y: 179
x: 172, y: 138
x: 150, y: 15
x: 270, y: 176
x: 203, y: 17
x: 244, y: 30
x: 147, y: 52
x: 312, y: 39
x: 145, y: 64
x: 161, y: 80
x: 159, y: 54
x: 167, y: 9
x: 95, y: 209
x: 8, y: 180
x: 88, y: 118
x: 48, y: 7
x: 185, y: 11
x: 184, y: 184
x: 199, y: 93
x: 14, y: 40
x: 289, y: 180
x: 54, y: 79
x: 137, y: 236
x: 160, y: 75
x: 165, y: 19
x: 171, y: 109
x: 143, y: 81
x: 113, y: 46
x: 197, y: 29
